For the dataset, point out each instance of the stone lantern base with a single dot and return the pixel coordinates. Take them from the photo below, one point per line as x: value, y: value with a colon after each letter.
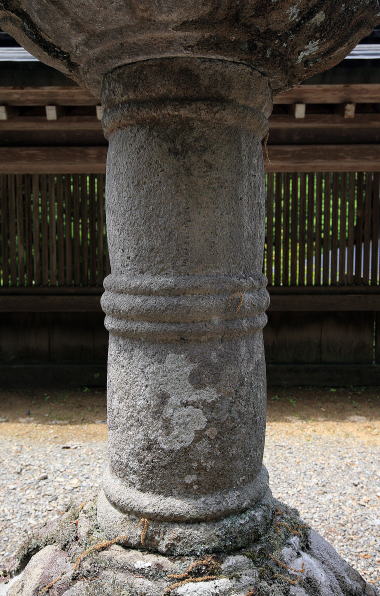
x: 74, y: 559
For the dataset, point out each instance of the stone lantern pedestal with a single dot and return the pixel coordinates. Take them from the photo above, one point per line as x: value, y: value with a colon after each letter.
x: 186, y: 90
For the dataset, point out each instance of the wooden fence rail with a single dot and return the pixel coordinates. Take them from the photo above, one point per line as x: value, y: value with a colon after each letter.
x: 323, y: 230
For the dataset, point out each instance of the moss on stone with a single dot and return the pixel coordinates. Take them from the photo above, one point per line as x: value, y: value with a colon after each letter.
x: 266, y: 554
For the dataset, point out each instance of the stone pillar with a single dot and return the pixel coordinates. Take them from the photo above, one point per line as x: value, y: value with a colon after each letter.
x: 185, y: 305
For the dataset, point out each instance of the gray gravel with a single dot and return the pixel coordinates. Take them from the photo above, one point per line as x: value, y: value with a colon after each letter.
x: 334, y: 483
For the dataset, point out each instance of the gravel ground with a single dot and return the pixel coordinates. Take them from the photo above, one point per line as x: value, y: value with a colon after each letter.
x: 333, y: 482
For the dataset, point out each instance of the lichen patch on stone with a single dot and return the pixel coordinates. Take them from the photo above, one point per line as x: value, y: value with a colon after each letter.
x: 293, y: 12
x: 310, y: 48
x: 318, y: 19
x: 182, y: 410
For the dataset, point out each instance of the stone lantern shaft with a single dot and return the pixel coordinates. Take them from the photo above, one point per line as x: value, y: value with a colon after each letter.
x: 185, y: 304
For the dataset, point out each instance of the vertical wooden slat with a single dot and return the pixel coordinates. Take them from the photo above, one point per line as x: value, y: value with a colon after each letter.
x: 326, y: 230
x: 29, y: 248
x: 68, y: 231
x: 52, y: 230
x: 84, y: 229
x: 359, y: 228
x: 375, y: 273
x: 36, y: 229
x: 318, y: 228
x: 343, y: 230
x: 25, y: 225
x: 4, y: 198
x: 334, y: 228
x: 2, y: 234
x: 60, y: 231
x: 269, y: 255
x: 294, y: 230
x: 20, y: 220
x: 100, y: 231
x: 310, y: 231
x: 302, y: 229
x: 367, y: 227
x: 285, y: 231
x: 92, y: 210
x: 278, y: 230
x: 44, y: 230
x: 107, y: 263
x: 76, y: 230
x: 351, y: 207
x: 12, y: 229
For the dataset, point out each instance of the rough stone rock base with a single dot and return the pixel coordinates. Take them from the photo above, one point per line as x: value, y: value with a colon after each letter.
x: 73, y: 558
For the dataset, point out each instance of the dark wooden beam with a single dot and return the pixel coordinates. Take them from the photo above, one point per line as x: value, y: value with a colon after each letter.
x: 60, y: 291
x: 321, y: 121
x: 41, y: 96
x: 290, y: 302
x: 74, y: 96
x: 53, y: 375
x: 52, y: 160
x: 276, y: 122
x: 282, y: 158
x: 323, y: 158
x: 324, y: 302
x: 45, y: 303
x: 64, y: 123
x: 322, y: 375
x: 94, y: 375
x: 352, y: 93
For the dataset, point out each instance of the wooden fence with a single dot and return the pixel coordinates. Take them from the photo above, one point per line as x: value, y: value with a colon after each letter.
x: 322, y: 230
x: 52, y: 230
x: 321, y: 259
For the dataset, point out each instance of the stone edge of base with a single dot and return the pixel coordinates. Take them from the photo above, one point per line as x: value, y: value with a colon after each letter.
x: 289, y: 560
x: 180, y: 538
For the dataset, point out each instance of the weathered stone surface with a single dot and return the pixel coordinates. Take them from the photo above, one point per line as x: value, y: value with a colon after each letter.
x: 287, y: 40
x: 196, y: 538
x: 47, y: 565
x: 185, y: 306
x: 289, y: 560
x: 184, y: 90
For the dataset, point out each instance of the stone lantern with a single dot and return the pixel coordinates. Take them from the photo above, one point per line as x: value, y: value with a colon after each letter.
x: 187, y: 91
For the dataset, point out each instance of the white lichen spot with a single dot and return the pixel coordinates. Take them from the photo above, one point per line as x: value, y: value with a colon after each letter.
x: 211, y: 432
x: 214, y: 357
x: 190, y: 478
x: 207, y: 588
x: 312, y: 568
x: 183, y: 417
x: 318, y: 19
x: 310, y: 48
x: 142, y: 564
x: 293, y: 13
